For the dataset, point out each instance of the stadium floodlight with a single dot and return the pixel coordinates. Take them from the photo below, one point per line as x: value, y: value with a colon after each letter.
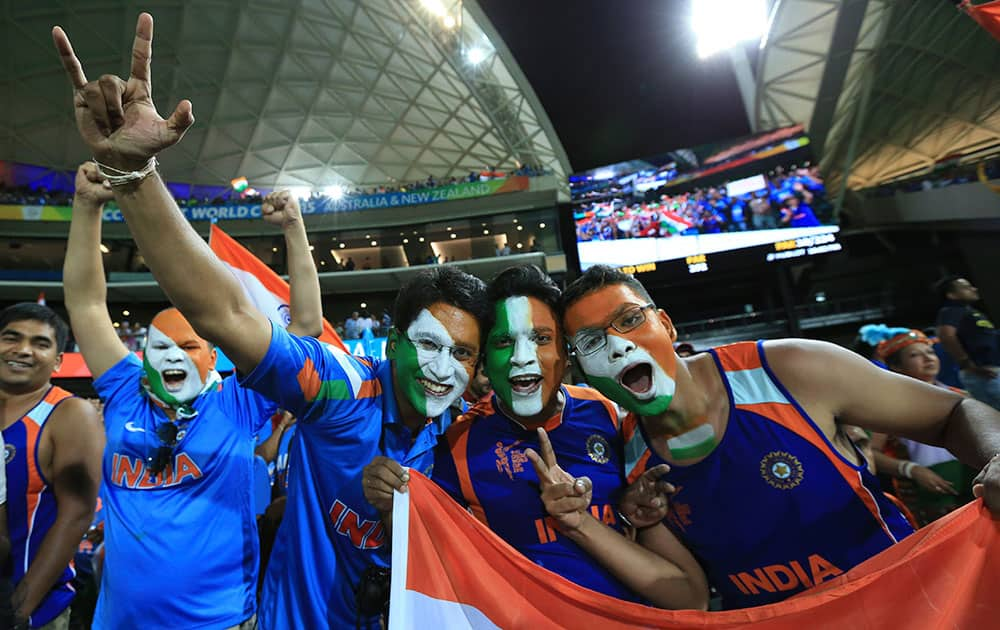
x: 334, y: 192
x: 721, y: 24
x: 300, y: 192
x: 436, y: 7
x: 475, y: 55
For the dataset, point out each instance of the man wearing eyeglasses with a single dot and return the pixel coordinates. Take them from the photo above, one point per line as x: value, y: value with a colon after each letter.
x: 772, y: 496
x: 484, y: 462
x: 181, y: 546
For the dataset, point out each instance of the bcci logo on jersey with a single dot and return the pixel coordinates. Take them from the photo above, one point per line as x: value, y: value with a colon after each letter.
x: 598, y: 449
x: 781, y: 470
x: 8, y: 453
x: 285, y: 314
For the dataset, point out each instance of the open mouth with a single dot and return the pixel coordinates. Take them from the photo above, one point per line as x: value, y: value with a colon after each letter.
x: 638, y: 379
x: 174, y: 379
x: 18, y: 366
x: 525, y: 384
x: 432, y: 388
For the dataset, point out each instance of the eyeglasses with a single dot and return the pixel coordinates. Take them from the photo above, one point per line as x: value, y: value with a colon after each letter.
x: 167, y: 434
x: 591, y: 340
x: 461, y: 354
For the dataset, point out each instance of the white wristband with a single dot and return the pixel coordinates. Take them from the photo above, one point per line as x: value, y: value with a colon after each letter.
x: 905, y: 469
x: 120, y: 178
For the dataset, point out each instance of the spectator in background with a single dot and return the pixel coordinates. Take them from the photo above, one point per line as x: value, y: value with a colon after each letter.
x: 796, y: 214
x: 52, y: 476
x: 942, y: 482
x: 503, y: 250
x: 349, y: 265
x: 969, y: 336
x: 761, y: 214
x: 352, y: 327
x: 386, y: 320
x: 365, y: 324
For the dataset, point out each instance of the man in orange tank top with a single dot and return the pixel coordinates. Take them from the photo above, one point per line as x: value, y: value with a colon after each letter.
x: 52, y: 449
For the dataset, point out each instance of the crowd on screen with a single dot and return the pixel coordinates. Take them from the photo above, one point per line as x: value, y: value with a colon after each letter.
x: 796, y: 198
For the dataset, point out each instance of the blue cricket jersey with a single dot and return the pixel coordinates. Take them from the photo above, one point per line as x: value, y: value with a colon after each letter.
x: 775, y: 509
x: 483, y: 466
x: 181, y: 549
x: 347, y: 414
x: 31, y: 505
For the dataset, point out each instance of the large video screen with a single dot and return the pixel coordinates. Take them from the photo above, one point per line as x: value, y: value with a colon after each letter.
x: 760, y: 196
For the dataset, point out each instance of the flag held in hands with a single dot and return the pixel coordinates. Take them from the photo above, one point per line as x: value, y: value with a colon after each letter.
x: 268, y: 292
x: 450, y: 571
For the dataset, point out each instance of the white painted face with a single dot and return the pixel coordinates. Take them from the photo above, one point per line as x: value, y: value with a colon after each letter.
x: 526, y: 401
x: 629, y: 375
x: 180, y: 376
x: 441, y: 377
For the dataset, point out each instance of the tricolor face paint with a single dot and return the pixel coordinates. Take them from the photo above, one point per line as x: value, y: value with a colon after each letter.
x: 176, y: 360
x: 636, y: 369
x: 525, y: 360
x: 432, y: 365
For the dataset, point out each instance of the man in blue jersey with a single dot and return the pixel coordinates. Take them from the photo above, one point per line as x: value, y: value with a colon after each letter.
x: 483, y: 463
x: 179, y: 458
x: 52, y: 451
x: 772, y: 497
x: 349, y: 409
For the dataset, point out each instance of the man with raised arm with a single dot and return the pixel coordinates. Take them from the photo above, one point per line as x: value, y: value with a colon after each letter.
x: 52, y: 447
x: 772, y: 497
x: 349, y: 409
x: 177, y: 470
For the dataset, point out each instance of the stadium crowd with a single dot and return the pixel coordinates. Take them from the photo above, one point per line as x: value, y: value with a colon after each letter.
x: 264, y: 498
x: 796, y: 198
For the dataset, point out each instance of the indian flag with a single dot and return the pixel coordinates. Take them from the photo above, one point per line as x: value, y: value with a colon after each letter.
x: 450, y: 571
x: 268, y: 292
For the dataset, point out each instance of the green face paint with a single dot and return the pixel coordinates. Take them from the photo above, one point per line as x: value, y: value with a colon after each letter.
x: 407, y: 367
x: 499, y: 350
x: 616, y: 392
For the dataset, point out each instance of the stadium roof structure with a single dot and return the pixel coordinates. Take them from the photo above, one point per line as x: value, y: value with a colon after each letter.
x: 289, y: 92
x: 886, y: 88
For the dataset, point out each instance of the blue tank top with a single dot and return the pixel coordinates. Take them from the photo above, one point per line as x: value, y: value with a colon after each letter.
x: 31, y: 504
x: 775, y: 509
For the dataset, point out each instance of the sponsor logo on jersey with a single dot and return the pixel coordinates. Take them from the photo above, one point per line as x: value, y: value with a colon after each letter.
x: 781, y: 470
x: 598, y: 449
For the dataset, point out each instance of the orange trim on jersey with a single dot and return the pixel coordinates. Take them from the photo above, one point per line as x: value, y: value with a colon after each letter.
x: 370, y: 389
x: 458, y: 440
x: 787, y: 416
x: 586, y: 393
x: 739, y: 356
x: 309, y: 380
x: 640, y: 467
x: 363, y: 361
x: 905, y: 510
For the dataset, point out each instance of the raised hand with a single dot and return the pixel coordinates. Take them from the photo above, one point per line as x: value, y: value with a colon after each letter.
x: 281, y: 208
x: 645, y: 502
x: 379, y: 478
x: 566, y: 498
x: 91, y: 188
x: 116, y: 118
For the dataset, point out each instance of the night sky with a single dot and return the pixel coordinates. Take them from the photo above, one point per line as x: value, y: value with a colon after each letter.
x: 620, y: 79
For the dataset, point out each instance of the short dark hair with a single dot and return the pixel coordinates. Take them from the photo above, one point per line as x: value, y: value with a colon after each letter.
x: 946, y: 285
x: 40, y: 313
x: 450, y: 285
x: 526, y: 281
x: 598, y: 277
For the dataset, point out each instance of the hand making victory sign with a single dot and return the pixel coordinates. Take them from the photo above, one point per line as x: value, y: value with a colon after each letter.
x: 566, y: 497
x: 117, y: 119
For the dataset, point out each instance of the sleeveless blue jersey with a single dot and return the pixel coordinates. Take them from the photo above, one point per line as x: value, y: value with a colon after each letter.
x: 181, y: 548
x: 483, y: 466
x: 31, y: 504
x: 346, y: 415
x: 775, y: 508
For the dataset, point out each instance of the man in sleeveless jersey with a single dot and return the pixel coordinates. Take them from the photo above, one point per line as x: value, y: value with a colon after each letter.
x: 349, y: 409
x: 771, y: 496
x: 483, y: 463
x: 52, y: 450
x: 181, y: 546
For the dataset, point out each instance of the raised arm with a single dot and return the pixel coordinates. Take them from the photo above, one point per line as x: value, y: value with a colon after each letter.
x: 77, y: 442
x: 120, y: 125
x: 660, y: 569
x: 86, y: 292
x: 282, y: 209
x: 836, y: 385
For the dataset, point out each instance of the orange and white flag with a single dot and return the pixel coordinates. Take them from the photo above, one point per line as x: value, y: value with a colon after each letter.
x: 268, y: 292
x: 450, y: 571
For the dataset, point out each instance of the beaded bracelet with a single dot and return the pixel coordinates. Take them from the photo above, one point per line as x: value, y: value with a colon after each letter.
x: 116, y: 177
